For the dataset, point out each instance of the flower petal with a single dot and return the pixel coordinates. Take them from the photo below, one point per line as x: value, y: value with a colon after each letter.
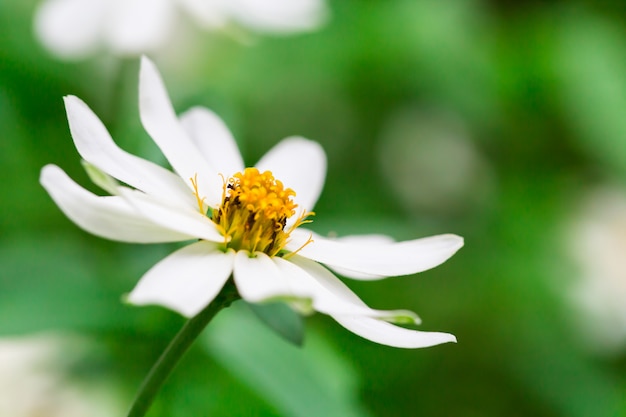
x: 207, y: 13
x: 371, y: 239
x: 137, y: 26
x: 70, y: 28
x: 107, y: 217
x: 330, y: 295
x: 259, y: 279
x: 361, y: 240
x: 183, y: 220
x: 160, y: 121
x: 278, y: 16
x: 96, y: 146
x: 301, y: 165
x: 390, y: 335
x: 372, y: 261
x: 187, y: 280
x: 213, y: 139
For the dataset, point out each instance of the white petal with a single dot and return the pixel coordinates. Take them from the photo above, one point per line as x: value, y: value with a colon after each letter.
x: 96, y: 146
x: 137, y: 26
x: 371, y: 239
x: 390, y: 335
x: 208, y: 13
x: 70, y: 28
x: 372, y: 261
x: 330, y: 295
x: 187, y: 280
x: 160, y: 121
x: 356, y: 275
x: 183, y: 220
x: 301, y: 165
x: 259, y: 279
x: 278, y: 16
x: 108, y: 217
x: 361, y: 240
x: 212, y: 137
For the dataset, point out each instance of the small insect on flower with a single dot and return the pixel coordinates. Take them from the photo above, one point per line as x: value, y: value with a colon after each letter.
x: 245, y: 222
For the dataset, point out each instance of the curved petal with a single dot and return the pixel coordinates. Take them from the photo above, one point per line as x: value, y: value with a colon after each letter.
x: 390, y: 335
x: 207, y: 13
x: 301, y: 165
x: 371, y: 239
x: 361, y: 240
x: 70, y: 28
x: 186, y: 221
x: 372, y: 261
x: 187, y: 280
x: 107, y: 217
x: 278, y: 16
x: 160, y: 121
x: 138, y: 26
x: 330, y: 295
x: 259, y: 279
x: 212, y: 137
x: 356, y: 275
x: 95, y: 145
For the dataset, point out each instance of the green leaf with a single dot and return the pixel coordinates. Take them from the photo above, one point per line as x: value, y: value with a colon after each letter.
x: 279, y: 317
x: 100, y: 178
x: 50, y: 285
x: 315, y: 380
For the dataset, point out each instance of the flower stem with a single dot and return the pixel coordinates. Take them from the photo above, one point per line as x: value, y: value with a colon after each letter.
x: 177, y: 348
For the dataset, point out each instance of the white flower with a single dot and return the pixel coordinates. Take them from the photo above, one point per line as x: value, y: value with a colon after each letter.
x: 34, y: 380
x: 243, y: 220
x: 596, y: 239
x: 77, y: 28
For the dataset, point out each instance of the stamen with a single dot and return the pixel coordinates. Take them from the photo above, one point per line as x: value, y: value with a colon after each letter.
x: 290, y: 254
x: 196, y: 193
x: 254, y: 212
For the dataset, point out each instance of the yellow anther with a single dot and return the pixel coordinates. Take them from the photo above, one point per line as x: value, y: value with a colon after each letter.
x: 254, y: 212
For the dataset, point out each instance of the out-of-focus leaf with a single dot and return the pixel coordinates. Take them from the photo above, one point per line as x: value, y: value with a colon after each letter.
x: 282, y: 319
x: 590, y: 62
x: 312, y: 381
x: 46, y: 283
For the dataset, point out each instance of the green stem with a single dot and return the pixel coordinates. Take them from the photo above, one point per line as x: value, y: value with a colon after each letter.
x: 177, y: 348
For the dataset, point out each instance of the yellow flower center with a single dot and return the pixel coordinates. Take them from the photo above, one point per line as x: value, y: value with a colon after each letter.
x: 254, y: 211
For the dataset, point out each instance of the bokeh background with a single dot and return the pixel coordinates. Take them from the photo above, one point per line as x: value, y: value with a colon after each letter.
x: 503, y: 122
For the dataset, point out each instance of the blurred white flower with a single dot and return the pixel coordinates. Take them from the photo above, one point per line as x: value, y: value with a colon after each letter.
x: 242, y: 219
x: 78, y: 28
x: 33, y: 382
x: 431, y: 163
x: 597, y: 241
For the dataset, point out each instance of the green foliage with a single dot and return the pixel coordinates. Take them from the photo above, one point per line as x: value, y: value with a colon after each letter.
x: 282, y: 319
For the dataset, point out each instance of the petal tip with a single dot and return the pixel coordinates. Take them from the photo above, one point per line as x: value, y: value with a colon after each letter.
x: 312, y: 145
x: 138, y: 301
x: 146, y: 66
x: 47, y: 171
x: 145, y: 60
x: 73, y: 108
x: 455, y: 239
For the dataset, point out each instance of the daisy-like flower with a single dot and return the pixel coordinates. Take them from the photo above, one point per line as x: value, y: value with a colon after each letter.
x: 76, y: 28
x: 246, y: 222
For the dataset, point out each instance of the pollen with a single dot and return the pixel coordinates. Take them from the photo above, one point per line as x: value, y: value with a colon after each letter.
x: 254, y: 211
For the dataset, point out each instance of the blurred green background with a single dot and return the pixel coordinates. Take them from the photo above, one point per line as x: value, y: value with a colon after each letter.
x: 493, y: 120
